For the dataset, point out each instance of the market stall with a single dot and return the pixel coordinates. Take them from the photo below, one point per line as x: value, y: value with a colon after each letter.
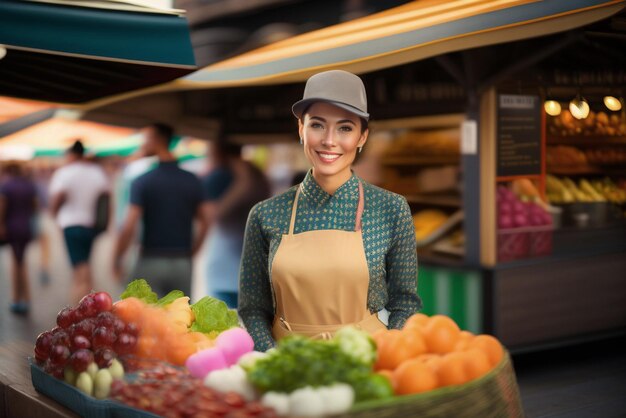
x: 448, y: 86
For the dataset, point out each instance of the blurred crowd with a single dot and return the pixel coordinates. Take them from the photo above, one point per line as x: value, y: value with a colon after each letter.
x: 149, y: 200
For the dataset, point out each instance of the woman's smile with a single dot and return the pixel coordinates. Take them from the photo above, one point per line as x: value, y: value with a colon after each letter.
x: 328, y: 157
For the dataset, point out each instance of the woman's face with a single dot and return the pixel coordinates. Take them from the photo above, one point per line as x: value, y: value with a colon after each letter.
x: 331, y: 137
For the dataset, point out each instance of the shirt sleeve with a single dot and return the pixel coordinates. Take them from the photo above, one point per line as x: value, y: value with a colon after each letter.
x: 256, y: 306
x: 57, y: 183
x: 401, y: 263
x: 136, y: 193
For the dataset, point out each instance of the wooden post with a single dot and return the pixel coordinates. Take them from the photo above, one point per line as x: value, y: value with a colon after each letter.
x: 487, y: 155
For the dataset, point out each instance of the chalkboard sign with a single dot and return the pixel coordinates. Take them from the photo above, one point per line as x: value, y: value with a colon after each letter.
x: 519, y: 135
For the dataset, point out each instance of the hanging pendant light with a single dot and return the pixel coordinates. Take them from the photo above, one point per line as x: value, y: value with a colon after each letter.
x: 3, y: 51
x: 578, y: 107
x: 612, y: 103
x: 552, y: 107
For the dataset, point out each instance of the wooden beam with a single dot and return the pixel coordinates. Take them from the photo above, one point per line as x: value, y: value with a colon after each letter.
x: 488, y: 213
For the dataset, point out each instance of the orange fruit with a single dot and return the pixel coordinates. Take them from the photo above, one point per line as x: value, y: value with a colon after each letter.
x: 419, y: 320
x: 476, y: 363
x: 441, y: 334
x: 379, y: 336
x: 431, y: 360
x: 452, y: 369
x: 413, y: 376
x: 465, y: 337
x: 395, y: 348
x: 490, y: 346
x: 415, y: 341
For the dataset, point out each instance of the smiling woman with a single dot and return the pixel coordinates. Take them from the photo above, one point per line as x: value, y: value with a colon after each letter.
x: 334, y: 250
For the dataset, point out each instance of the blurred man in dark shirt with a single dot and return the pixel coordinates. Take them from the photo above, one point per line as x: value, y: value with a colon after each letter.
x: 167, y: 200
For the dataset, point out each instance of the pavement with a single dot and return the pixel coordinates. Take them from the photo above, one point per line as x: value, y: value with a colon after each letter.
x: 587, y: 380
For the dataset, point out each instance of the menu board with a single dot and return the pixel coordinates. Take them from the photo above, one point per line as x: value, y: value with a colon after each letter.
x: 519, y: 135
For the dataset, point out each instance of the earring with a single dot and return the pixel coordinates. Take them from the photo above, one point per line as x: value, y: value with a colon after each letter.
x: 360, y: 149
x: 301, y: 141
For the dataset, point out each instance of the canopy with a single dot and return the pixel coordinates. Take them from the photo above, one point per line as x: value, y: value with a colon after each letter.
x: 68, y: 54
x: 411, y: 32
x: 53, y: 136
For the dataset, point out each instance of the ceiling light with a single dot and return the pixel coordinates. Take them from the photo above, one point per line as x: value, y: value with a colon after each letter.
x: 3, y: 52
x: 612, y: 103
x: 579, y: 108
x: 552, y: 107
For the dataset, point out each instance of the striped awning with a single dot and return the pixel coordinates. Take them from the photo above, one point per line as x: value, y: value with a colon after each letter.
x: 75, y: 52
x: 408, y: 33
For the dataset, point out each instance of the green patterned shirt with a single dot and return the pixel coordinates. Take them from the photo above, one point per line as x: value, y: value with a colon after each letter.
x: 388, y: 237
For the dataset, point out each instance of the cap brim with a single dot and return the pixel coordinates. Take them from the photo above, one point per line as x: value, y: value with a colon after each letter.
x: 299, y: 107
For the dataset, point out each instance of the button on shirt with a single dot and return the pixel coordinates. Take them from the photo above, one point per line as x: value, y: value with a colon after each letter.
x: 388, y: 238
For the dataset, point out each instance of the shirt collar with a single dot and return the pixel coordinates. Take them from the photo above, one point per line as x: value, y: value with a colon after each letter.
x: 314, y: 192
x: 172, y: 163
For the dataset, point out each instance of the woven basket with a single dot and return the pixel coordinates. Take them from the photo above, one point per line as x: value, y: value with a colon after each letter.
x: 494, y: 395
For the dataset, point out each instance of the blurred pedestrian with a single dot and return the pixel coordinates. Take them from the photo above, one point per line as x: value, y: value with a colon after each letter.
x: 18, y: 203
x: 231, y: 189
x: 75, y: 190
x: 166, y: 200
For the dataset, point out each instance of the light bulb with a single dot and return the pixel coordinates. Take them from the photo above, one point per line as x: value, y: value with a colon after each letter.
x: 579, y: 108
x: 552, y: 107
x: 612, y: 103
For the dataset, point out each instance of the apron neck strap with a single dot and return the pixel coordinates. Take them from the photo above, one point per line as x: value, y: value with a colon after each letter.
x: 359, y: 209
x: 294, y: 209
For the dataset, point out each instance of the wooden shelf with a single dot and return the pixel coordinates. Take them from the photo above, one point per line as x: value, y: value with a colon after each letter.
x: 566, y: 170
x: 586, y: 141
x: 451, y: 200
x: 422, y: 160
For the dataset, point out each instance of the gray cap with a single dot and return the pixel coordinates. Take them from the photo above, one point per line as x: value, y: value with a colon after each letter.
x: 340, y: 88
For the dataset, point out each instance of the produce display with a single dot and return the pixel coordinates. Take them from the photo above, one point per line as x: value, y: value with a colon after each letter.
x: 565, y: 190
x: 432, y: 352
x: 599, y: 124
x: 564, y: 155
x: 173, y: 359
x: 171, y: 392
x: 428, y: 221
x: 514, y: 213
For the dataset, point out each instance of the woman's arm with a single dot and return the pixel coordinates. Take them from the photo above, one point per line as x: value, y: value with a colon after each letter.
x: 256, y: 306
x: 402, y: 270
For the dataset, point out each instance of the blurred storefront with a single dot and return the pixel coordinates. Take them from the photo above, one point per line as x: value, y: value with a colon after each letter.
x: 519, y: 213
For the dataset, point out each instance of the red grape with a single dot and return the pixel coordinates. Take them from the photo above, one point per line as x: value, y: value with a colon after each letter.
x: 60, y: 338
x: 132, y: 329
x: 103, y: 301
x: 80, y: 342
x: 43, y: 344
x: 54, y: 370
x: 65, y: 317
x: 119, y: 326
x: 80, y: 359
x: 125, y: 344
x: 59, y: 355
x: 102, y: 338
x: 87, y: 306
x: 105, y: 319
x: 104, y: 357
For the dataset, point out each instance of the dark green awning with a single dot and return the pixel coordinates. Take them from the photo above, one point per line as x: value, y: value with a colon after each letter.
x: 72, y: 54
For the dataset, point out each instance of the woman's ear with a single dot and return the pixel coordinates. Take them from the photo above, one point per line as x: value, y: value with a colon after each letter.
x: 300, y: 129
x: 363, y: 138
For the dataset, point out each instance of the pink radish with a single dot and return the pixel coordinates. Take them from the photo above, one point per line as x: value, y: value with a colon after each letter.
x: 234, y: 343
x: 203, y: 362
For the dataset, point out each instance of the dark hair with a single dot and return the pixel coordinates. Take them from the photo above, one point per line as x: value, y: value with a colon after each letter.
x: 77, y: 148
x: 166, y: 132
x: 364, y: 122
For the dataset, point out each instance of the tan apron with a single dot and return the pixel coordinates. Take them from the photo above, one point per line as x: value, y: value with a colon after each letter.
x: 320, y: 280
